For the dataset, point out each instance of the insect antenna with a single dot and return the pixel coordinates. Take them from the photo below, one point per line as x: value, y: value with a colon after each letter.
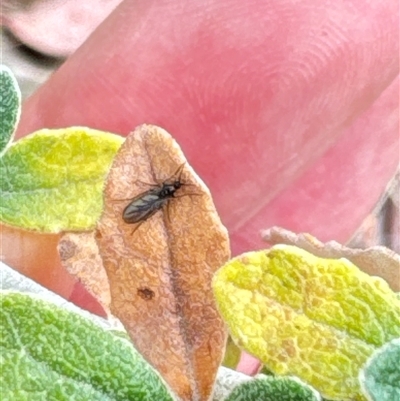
x: 141, y: 182
x: 178, y: 170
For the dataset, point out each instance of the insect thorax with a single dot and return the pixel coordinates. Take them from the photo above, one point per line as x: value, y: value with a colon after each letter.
x: 168, y: 190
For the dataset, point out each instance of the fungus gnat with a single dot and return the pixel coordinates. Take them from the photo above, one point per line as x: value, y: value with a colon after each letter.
x: 144, y: 205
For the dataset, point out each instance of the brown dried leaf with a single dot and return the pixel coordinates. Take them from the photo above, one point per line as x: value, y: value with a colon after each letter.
x: 79, y: 254
x: 376, y: 261
x: 381, y: 226
x: 160, y: 271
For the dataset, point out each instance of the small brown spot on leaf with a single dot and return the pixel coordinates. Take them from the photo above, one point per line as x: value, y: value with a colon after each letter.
x: 145, y: 293
x: 66, y: 250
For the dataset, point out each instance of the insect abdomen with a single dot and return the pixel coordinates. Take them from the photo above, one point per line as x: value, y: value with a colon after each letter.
x: 142, y: 208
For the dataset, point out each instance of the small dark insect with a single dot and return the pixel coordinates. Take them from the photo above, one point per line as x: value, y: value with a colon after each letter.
x: 145, y: 293
x: 144, y: 205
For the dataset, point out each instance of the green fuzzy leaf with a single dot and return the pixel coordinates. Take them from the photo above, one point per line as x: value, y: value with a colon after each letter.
x: 273, y: 389
x: 380, y: 378
x: 317, y: 319
x: 52, y: 180
x: 10, y: 107
x: 49, y: 353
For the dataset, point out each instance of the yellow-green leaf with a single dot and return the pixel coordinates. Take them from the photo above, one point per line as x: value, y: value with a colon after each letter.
x: 318, y: 319
x: 52, y: 180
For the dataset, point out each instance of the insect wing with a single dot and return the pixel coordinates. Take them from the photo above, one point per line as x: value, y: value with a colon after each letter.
x: 142, y: 207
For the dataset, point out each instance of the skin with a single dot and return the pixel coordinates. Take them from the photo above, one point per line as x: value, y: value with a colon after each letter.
x: 288, y: 110
x: 70, y: 22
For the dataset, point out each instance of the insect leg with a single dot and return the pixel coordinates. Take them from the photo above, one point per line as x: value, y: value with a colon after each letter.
x: 138, y: 196
x: 137, y: 226
x: 122, y: 200
x: 167, y: 213
x: 148, y: 184
x: 189, y: 194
